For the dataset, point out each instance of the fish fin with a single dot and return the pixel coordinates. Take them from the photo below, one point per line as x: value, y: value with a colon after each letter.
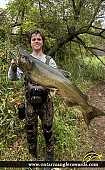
x: 91, y: 115
x: 65, y: 73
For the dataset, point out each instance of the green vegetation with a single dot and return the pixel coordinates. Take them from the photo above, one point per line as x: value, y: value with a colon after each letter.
x: 67, y: 120
x: 72, y: 33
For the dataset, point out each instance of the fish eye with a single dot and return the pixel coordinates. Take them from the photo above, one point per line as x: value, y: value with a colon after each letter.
x: 22, y: 57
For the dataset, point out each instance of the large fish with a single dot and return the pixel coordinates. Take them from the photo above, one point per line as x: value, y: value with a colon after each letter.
x: 52, y: 78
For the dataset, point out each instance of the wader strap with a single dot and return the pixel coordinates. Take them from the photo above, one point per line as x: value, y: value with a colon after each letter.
x: 47, y: 59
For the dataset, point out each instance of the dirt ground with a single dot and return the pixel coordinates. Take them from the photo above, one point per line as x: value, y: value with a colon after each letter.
x: 97, y: 98
x: 97, y: 127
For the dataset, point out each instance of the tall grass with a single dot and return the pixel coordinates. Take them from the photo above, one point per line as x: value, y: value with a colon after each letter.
x: 84, y: 70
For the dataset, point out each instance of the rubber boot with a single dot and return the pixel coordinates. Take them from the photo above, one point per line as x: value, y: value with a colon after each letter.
x: 33, y: 152
x: 49, y: 157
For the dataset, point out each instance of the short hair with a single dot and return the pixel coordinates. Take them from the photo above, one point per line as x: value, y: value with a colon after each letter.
x: 36, y: 32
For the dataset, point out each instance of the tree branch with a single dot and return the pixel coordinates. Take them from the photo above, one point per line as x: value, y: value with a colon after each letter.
x: 102, y: 30
x: 90, y: 49
x: 74, y: 7
x: 41, y: 14
x: 97, y: 34
x: 95, y: 13
x: 96, y: 48
x: 89, y: 31
x: 60, y: 43
x: 77, y: 9
x: 16, y: 24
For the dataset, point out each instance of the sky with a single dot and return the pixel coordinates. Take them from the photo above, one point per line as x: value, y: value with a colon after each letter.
x: 3, y: 3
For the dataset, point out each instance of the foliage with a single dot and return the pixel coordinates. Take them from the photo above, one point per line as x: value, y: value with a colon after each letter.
x: 77, y: 22
x: 57, y: 19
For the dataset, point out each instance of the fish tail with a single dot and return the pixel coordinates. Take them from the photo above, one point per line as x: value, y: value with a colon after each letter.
x: 88, y: 117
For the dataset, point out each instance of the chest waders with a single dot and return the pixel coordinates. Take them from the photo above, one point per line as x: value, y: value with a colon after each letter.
x: 42, y: 107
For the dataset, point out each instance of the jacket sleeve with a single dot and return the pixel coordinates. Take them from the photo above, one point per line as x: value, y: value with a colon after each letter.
x: 14, y: 75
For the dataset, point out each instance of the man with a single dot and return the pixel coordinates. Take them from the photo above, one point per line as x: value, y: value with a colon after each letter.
x: 44, y: 110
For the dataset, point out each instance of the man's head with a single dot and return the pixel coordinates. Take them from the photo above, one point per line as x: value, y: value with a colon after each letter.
x: 36, y: 39
x: 36, y: 32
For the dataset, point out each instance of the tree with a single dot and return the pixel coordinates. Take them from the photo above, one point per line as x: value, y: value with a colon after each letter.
x: 75, y: 21
x: 79, y: 23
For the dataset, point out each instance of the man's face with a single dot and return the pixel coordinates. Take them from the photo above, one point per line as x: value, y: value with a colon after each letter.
x: 36, y: 42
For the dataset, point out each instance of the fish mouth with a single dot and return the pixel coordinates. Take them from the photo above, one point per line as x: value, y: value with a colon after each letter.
x: 14, y: 57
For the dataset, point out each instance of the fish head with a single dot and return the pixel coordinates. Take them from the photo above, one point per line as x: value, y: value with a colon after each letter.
x: 25, y: 61
x: 24, y: 64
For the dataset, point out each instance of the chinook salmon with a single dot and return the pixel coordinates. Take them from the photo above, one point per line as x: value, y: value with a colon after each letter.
x: 52, y: 78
